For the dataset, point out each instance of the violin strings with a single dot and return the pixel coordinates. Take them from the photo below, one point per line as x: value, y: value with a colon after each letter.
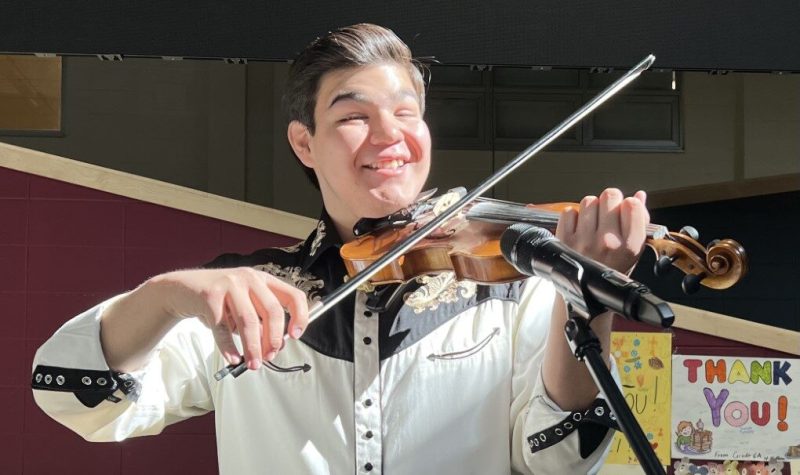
x: 506, y: 212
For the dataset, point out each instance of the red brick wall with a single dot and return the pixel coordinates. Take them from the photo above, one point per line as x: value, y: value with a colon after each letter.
x: 64, y: 248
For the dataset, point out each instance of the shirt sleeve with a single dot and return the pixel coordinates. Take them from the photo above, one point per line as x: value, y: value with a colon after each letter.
x: 545, y: 439
x: 73, y: 384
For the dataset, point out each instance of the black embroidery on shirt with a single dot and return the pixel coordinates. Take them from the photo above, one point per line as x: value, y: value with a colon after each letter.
x: 305, y: 367
x: 592, y: 426
x: 457, y: 355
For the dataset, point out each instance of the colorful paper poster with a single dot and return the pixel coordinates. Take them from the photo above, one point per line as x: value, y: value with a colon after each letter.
x: 644, y: 362
x: 732, y: 408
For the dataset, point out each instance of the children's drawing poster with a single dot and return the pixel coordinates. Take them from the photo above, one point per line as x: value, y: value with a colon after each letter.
x: 643, y: 360
x: 735, y: 408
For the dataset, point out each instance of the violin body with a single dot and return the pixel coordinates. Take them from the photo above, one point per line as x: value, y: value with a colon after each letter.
x: 468, y: 244
x: 470, y: 250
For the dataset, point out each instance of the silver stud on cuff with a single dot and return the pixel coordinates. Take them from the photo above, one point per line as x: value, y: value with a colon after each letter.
x: 60, y: 380
x: 86, y: 380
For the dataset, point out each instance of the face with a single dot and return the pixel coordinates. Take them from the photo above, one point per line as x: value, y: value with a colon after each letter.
x: 371, y: 147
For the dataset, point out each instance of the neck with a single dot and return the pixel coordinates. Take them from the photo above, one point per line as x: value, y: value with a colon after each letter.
x: 345, y: 232
x: 343, y: 221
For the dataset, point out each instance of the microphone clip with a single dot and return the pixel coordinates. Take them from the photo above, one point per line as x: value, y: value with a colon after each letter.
x: 570, y: 283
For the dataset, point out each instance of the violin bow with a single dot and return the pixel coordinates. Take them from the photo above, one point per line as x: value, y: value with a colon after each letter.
x: 402, y: 247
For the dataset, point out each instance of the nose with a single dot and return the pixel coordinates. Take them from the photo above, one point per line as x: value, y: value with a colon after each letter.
x: 385, y: 130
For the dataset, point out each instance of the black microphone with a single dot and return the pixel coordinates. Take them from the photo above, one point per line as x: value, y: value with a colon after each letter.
x: 582, y: 281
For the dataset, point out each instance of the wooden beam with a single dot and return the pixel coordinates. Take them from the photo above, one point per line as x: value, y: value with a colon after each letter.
x: 724, y: 191
x: 736, y: 329
x: 154, y: 191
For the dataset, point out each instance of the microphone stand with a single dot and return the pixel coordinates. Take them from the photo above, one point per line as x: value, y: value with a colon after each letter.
x: 582, y: 309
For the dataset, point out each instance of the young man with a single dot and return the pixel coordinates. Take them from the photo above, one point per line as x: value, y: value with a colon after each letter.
x: 433, y: 376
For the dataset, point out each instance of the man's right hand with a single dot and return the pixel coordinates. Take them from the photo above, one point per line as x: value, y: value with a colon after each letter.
x: 239, y: 300
x: 243, y: 300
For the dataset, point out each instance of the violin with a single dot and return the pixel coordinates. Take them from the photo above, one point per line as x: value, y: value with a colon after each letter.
x: 468, y: 244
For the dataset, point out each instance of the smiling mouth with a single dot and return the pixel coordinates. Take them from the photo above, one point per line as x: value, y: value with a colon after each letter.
x: 386, y: 165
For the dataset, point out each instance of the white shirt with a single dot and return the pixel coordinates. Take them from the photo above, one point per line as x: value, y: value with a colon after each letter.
x: 464, y: 397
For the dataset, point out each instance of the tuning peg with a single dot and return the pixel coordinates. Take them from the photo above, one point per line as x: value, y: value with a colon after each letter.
x: 691, y: 232
x: 663, y: 265
x: 691, y: 282
x: 712, y: 244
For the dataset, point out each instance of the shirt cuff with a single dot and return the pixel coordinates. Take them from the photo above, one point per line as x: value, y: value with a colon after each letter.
x: 550, y: 425
x: 72, y: 360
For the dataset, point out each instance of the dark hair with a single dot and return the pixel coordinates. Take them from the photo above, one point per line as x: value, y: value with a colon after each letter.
x: 349, y: 47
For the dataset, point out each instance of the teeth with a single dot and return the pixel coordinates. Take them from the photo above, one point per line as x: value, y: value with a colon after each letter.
x: 387, y: 164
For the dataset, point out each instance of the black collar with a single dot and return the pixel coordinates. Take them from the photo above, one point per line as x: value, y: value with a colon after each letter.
x: 322, y: 238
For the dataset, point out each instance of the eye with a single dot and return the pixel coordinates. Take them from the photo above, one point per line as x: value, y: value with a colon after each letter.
x: 353, y: 118
x: 406, y: 112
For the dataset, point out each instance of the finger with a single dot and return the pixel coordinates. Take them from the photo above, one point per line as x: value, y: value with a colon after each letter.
x: 608, y: 211
x: 587, y: 218
x: 246, y: 318
x: 566, y: 224
x: 641, y: 196
x: 634, y: 219
x: 230, y: 321
x: 272, y: 320
x: 295, y: 301
x: 222, y: 331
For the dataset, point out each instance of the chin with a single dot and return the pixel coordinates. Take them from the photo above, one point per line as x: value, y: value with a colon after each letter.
x: 387, y: 202
x: 379, y: 210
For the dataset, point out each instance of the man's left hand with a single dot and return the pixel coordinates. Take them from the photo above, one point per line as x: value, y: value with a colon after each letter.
x: 610, y: 229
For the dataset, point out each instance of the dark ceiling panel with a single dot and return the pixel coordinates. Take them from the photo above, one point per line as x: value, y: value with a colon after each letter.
x: 715, y: 34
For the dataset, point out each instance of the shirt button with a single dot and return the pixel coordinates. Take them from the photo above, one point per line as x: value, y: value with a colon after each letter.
x: 367, y: 340
x: 368, y: 402
x: 367, y: 313
x: 368, y: 467
x: 368, y: 434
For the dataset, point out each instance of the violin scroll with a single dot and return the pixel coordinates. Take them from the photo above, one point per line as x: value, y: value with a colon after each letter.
x: 719, y: 265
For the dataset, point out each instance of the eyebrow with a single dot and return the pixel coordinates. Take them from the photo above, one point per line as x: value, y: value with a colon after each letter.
x: 363, y: 98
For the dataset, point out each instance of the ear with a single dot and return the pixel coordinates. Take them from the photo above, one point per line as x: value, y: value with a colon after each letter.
x: 300, y: 140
